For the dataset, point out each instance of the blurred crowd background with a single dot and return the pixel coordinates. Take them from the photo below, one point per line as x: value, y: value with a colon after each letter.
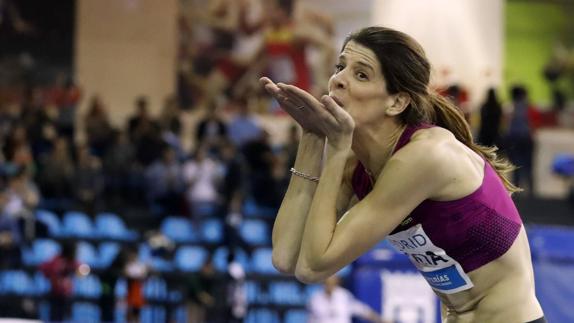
x: 141, y: 163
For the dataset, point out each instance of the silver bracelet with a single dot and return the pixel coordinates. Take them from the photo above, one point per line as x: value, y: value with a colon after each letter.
x: 305, y: 176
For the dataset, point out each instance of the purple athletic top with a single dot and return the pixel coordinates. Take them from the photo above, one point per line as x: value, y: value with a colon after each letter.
x: 465, y: 233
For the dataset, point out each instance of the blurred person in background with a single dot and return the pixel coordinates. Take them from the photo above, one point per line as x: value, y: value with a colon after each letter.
x: 60, y: 271
x: 203, y: 294
x: 98, y: 127
x: 10, y: 232
x: 335, y: 304
x: 519, y: 141
x: 56, y: 174
x: 385, y: 156
x: 202, y: 175
x: 490, y: 120
x: 88, y: 180
x: 232, y: 189
x: 211, y: 129
x: 165, y: 182
x: 108, y: 279
x: 136, y: 273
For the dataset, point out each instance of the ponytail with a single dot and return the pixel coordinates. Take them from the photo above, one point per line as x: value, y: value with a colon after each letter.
x: 448, y: 116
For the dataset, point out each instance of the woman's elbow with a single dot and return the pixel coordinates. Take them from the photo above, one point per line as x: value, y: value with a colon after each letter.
x: 308, y: 276
x: 283, y: 264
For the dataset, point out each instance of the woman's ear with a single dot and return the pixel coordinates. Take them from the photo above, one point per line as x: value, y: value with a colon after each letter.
x: 400, y: 102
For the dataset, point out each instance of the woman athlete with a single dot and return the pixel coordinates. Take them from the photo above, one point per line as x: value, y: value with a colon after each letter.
x: 384, y: 157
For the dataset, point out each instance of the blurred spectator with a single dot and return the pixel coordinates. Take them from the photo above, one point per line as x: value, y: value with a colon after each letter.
x: 202, y: 175
x: 165, y: 182
x: 243, y: 127
x: 98, y: 127
x: 519, y: 141
x: 136, y: 272
x: 60, y: 271
x: 108, y: 279
x: 211, y: 130
x: 490, y: 120
x: 236, y: 307
x: 41, y: 128
x: 459, y: 97
x: 335, y: 304
x: 65, y: 95
x: 123, y: 176
x: 263, y: 172
x: 88, y: 180
x: 170, y: 124
x: 233, y: 189
x: 56, y: 173
x: 202, y: 294
x: 10, y: 233
x: 144, y: 133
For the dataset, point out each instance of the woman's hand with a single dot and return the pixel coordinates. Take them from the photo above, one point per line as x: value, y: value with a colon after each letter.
x: 324, y: 118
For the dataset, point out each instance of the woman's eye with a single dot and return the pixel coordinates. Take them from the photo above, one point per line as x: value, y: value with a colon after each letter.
x: 338, y: 68
x: 362, y: 76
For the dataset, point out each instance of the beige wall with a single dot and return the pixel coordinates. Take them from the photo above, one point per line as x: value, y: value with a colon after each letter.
x: 125, y: 49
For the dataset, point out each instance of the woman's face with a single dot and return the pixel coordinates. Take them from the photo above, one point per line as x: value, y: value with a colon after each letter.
x: 358, y: 84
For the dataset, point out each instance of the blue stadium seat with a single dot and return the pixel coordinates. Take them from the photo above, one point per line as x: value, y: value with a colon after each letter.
x: 220, y: 259
x: 87, y: 286
x: 252, y: 209
x: 262, y: 315
x: 78, y: 224
x: 108, y: 251
x: 179, y: 229
x: 85, y: 312
x: 295, y: 316
x: 287, y: 293
x: 110, y: 225
x: 16, y: 282
x: 155, y: 288
x: 41, y: 251
x: 51, y: 220
x: 86, y: 253
x: 41, y: 282
x: 261, y: 262
x: 255, y: 232
x: 190, y: 258
x: 211, y: 230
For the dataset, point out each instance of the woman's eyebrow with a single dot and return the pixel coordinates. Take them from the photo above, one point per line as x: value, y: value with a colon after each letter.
x: 365, y: 65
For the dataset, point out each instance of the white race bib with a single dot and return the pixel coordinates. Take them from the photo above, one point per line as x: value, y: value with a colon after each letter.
x: 443, y: 273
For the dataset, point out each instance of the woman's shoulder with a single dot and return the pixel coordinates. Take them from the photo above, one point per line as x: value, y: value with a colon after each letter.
x: 435, y: 148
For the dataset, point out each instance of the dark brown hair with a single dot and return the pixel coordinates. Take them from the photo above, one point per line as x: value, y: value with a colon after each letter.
x: 406, y: 69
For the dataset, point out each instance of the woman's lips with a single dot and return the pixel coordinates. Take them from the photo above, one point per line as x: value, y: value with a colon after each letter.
x: 337, y: 100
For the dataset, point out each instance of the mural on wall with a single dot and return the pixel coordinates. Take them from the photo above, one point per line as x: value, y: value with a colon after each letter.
x: 226, y: 45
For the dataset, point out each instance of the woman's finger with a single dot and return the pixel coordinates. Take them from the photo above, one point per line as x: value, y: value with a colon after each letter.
x: 302, y: 96
x: 334, y: 109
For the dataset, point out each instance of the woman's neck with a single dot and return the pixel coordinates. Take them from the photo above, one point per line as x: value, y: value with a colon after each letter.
x: 374, y: 145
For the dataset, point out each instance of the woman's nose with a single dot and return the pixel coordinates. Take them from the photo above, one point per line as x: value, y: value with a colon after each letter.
x: 338, y: 80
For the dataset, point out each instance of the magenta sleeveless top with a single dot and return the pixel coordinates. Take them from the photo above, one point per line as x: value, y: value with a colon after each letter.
x: 446, y: 240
